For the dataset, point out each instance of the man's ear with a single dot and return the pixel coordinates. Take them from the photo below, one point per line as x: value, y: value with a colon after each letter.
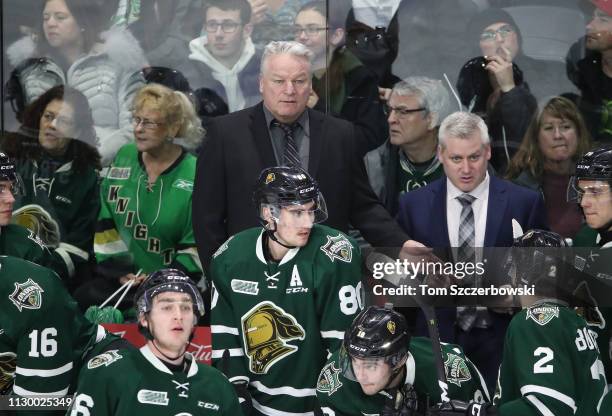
x: 142, y: 320
x: 246, y: 31
x: 337, y: 37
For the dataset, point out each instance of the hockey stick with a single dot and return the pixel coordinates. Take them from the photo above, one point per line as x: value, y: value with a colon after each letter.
x: 430, y: 317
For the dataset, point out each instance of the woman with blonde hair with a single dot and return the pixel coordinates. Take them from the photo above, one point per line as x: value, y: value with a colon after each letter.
x: 555, y: 140
x: 134, y: 235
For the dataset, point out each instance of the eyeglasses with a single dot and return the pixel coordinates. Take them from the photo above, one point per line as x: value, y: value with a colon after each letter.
x: 61, y: 122
x: 227, y: 26
x: 146, y: 124
x: 490, y: 35
x: 309, y: 30
x: 401, y: 112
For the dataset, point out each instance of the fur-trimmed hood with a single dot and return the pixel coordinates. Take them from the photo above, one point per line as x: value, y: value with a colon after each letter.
x: 118, y: 43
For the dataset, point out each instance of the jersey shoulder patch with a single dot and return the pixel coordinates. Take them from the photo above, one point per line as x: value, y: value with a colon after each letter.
x: 338, y: 248
x: 104, y: 359
x: 542, y: 314
x: 222, y: 248
x: 329, y: 379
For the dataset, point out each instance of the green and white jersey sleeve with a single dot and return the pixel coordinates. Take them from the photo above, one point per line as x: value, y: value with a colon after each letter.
x: 43, y: 335
x: 279, y: 321
x: 551, y: 365
x: 341, y: 396
x: 136, y: 382
x: 147, y: 226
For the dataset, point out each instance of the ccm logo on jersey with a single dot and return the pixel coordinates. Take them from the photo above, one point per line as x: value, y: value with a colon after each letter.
x: 207, y: 405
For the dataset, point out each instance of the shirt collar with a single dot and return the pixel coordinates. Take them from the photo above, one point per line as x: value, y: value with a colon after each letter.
x: 453, y: 192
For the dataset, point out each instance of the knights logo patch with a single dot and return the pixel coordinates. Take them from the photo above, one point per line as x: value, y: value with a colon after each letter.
x: 27, y: 295
x: 457, y: 370
x: 105, y: 359
x: 329, y: 381
x: 542, y: 315
x: 391, y: 327
x: 338, y: 247
x: 270, y: 178
x: 266, y: 328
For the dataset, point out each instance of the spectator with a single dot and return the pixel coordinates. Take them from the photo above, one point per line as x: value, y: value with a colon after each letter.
x: 71, y: 49
x: 283, y: 131
x: 555, y: 140
x: 408, y: 160
x: 225, y: 59
x: 493, y: 86
x: 589, y: 67
x: 469, y: 209
x: 341, y: 84
x: 57, y: 158
x: 133, y: 231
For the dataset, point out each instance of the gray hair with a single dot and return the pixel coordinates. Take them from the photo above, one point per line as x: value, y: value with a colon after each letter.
x: 285, y: 48
x: 462, y: 125
x: 432, y: 94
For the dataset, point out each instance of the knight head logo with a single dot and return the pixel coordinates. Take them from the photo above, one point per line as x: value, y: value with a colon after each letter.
x: 27, y: 295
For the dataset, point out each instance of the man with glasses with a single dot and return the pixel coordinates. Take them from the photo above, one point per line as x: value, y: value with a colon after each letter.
x: 225, y: 59
x: 408, y: 160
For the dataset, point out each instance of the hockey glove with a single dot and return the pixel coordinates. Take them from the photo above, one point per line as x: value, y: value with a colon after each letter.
x: 458, y: 407
x: 403, y: 402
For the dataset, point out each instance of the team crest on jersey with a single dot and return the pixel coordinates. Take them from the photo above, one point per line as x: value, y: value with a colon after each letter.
x: 329, y: 381
x: 119, y: 173
x: 338, y: 247
x: 159, y: 398
x: 27, y: 295
x: 8, y: 364
x: 183, y: 184
x: 105, y: 359
x: 223, y: 247
x: 542, y: 315
x: 266, y: 328
x: 457, y: 370
x: 245, y: 287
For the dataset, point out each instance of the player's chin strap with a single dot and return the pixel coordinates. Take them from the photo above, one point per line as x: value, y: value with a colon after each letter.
x: 270, y: 233
x: 167, y: 357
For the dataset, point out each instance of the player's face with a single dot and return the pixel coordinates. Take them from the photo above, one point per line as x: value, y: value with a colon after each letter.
x: 285, y: 86
x: 57, y: 127
x: 497, y: 37
x: 596, y: 202
x: 6, y: 202
x: 465, y: 161
x: 409, y: 128
x: 373, y: 374
x: 60, y: 26
x: 295, y: 223
x: 151, y: 131
x: 311, y: 21
x: 171, y: 321
x: 222, y: 44
x: 557, y: 138
x: 599, y: 32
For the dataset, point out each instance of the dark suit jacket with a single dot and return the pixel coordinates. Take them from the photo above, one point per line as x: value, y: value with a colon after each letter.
x: 422, y: 213
x: 238, y: 148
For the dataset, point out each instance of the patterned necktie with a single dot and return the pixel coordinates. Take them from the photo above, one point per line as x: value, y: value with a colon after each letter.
x: 291, y: 156
x: 467, y: 237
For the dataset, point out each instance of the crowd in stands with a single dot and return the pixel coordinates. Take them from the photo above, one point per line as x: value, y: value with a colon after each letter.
x: 139, y: 128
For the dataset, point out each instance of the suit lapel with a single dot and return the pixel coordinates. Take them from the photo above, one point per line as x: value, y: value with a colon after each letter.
x: 261, y: 136
x: 438, y: 224
x: 498, y: 199
x: 316, y: 141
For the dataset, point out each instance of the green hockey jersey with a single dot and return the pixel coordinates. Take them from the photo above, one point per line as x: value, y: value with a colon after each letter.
x: 61, y: 206
x: 136, y: 382
x: 340, y: 396
x: 18, y: 241
x: 43, y: 335
x: 147, y: 227
x: 279, y: 321
x: 551, y: 365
